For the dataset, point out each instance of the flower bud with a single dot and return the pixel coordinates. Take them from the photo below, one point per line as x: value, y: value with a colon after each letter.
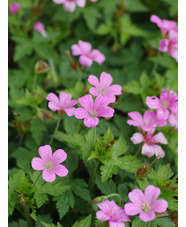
x: 41, y: 67
x: 142, y: 171
x: 97, y: 200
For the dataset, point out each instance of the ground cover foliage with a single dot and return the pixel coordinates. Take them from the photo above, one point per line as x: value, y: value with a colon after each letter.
x: 101, y: 165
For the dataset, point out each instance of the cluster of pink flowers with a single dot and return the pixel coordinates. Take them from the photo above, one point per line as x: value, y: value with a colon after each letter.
x: 90, y: 110
x: 166, y: 109
x: 70, y: 5
x: 145, y: 204
x: 86, y: 55
x: 169, y: 30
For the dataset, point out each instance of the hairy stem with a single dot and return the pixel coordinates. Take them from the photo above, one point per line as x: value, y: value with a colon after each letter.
x: 57, y: 126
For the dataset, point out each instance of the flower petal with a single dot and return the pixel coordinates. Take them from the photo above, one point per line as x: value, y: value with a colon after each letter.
x: 151, y: 194
x: 69, y: 6
x: 116, y: 224
x: 159, y: 138
x: 70, y: 111
x: 91, y: 122
x: 60, y: 170
x: 158, y: 151
x: 84, y: 60
x: 164, y: 43
x: 46, y: 153
x: 59, y: 156
x: 81, y: 3
x: 114, y: 90
x: 149, y: 216
x: 76, y: 50
x: 159, y: 206
x: 54, y: 102
x: 81, y: 113
x: 153, y: 102
x: 97, y: 56
x: 37, y: 164
x: 105, y: 80
x: 137, y: 138
x: 87, y: 102
x: 85, y: 47
x: 100, y: 215
x: 131, y: 209
x: 48, y: 175
x: 93, y: 80
x: 58, y: 1
x: 148, y: 150
x: 137, y: 197
x: 137, y: 119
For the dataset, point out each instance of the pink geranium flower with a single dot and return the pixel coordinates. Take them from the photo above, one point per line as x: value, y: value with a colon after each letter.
x: 70, y: 5
x: 170, y: 45
x: 14, y: 7
x: 50, y: 163
x: 38, y: 26
x: 168, y: 101
x: 165, y: 25
x: 112, y: 213
x: 149, y: 147
x: 63, y: 104
x: 92, y: 110
x: 147, y: 122
x: 104, y: 87
x: 145, y: 204
x: 87, y: 56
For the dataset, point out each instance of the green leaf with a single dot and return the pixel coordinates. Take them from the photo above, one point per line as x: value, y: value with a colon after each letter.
x: 21, y: 223
x: 164, y: 222
x: 107, y: 187
x: 91, y: 15
x: 45, y: 51
x: 40, y: 198
x: 108, y: 137
x: 107, y: 170
x: 51, y: 225
x: 165, y: 172
x: 21, y: 50
x: 52, y: 188
x: 85, y: 222
x: 137, y: 223
x: 135, y: 6
x: 128, y: 163
x: 63, y: 203
x: 79, y: 187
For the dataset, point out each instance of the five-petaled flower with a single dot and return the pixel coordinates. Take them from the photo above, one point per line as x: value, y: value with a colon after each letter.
x: 70, y: 5
x: 14, y: 7
x: 92, y: 110
x: 168, y: 101
x: 111, y: 212
x: 38, y: 26
x: 104, y: 87
x: 86, y: 55
x: 147, y: 122
x: 150, y: 147
x: 62, y: 104
x: 145, y: 204
x: 50, y: 163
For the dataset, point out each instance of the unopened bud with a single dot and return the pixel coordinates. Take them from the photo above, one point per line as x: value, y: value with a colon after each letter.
x: 171, y: 188
x: 97, y: 200
x: 142, y: 171
x: 22, y: 202
x: 19, y: 196
x: 41, y: 67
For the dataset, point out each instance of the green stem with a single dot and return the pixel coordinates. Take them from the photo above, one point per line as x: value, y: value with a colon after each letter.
x: 115, y: 194
x: 27, y: 216
x: 92, y: 177
x: 94, y: 137
x: 54, y: 76
x: 57, y: 126
x: 37, y: 178
x: 34, y: 82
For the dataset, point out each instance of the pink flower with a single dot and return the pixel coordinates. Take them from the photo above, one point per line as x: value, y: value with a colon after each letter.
x: 104, y: 87
x: 168, y: 101
x: 14, y: 7
x: 91, y: 111
x: 149, y: 147
x: 147, y: 122
x: 93, y: 0
x: 145, y: 204
x: 165, y: 25
x: 64, y: 103
x: 170, y: 45
x: 70, y: 5
x: 50, y: 163
x: 112, y: 213
x: 38, y: 26
x: 87, y: 56
x: 173, y: 120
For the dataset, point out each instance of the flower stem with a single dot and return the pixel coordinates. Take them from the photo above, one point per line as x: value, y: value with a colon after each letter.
x: 94, y: 137
x: 155, y: 64
x: 115, y: 194
x: 92, y: 177
x: 27, y: 216
x: 37, y: 178
x: 57, y: 126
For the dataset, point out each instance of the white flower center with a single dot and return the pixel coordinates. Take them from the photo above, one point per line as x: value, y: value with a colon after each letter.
x: 101, y: 91
x: 146, y: 207
x: 48, y: 165
x: 165, y: 104
x: 93, y: 113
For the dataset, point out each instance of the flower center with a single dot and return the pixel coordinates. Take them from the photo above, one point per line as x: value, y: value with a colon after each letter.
x: 146, y: 207
x: 165, y: 104
x: 101, y: 91
x: 48, y: 165
x: 93, y: 113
